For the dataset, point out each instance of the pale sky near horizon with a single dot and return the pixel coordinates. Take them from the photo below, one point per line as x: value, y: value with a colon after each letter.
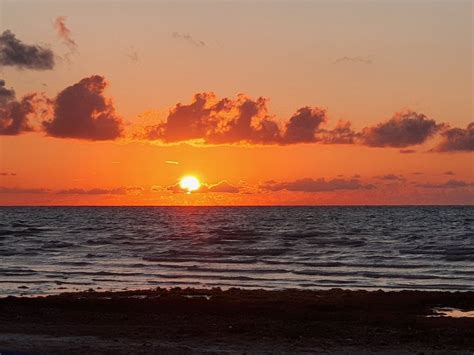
x: 361, y: 60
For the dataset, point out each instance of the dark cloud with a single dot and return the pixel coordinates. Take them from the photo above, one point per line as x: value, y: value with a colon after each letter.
x: 303, y: 125
x: 64, y: 32
x: 81, y: 111
x: 318, y: 185
x: 403, y: 130
x: 188, y: 38
x: 6, y: 95
x: 14, y: 113
x: 15, y: 53
x: 392, y: 177
x: 7, y: 174
x: 20, y: 190
x: 449, y: 173
x: 457, y: 140
x: 451, y: 184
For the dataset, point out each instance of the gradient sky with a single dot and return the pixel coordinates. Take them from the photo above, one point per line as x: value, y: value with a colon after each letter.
x: 361, y: 61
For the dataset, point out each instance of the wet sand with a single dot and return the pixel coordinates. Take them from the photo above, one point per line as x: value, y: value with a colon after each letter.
x: 193, y: 321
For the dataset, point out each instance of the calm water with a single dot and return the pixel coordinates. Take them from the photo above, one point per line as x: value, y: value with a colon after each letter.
x: 49, y: 250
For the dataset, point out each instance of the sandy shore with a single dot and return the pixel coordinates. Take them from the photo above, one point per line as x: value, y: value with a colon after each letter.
x: 189, y: 321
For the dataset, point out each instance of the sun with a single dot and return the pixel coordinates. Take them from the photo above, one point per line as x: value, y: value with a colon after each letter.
x: 189, y: 183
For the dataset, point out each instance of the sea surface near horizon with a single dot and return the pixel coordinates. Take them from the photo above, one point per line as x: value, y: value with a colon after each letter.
x: 48, y: 250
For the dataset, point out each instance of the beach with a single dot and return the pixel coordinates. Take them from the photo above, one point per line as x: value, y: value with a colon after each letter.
x: 194, y: 321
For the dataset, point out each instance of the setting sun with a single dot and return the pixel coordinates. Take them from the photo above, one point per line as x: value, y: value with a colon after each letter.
x: 190, y: 183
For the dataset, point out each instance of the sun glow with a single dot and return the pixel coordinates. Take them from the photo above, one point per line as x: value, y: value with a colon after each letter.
x: 189, y: 183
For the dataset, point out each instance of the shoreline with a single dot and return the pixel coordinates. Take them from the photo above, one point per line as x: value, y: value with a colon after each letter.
x: 237, y: 321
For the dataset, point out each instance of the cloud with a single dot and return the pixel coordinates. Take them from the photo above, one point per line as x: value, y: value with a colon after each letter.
x: 223, y: 187
x: 220, y: 187
x: 217, y: 122
x: 449, y: 173
x: 303, y: 125
x: 14, y: 113
x: 358, y: 59
x: 318, y: 185
x: 20, y: 190
x: 402, y: 130
x: 132, y: 54
x: 172, y: 162
x: 64, y: 32
x: 390, y: 177
x: 95, y: 191
x: 188, y: 38
x: 81, y: 111
x: 6, y: 95
x: 7, y: 174
x: 450, y: 184
x: 457, y: 140
x: 341, y: 134
x: 211, y: 120
x: 15, y: 53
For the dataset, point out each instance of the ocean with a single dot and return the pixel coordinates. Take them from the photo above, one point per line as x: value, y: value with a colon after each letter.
x: 48, y: 250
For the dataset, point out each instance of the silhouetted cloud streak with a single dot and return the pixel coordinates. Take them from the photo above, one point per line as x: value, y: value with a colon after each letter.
x: 318, y: 185
x: 450, y: 184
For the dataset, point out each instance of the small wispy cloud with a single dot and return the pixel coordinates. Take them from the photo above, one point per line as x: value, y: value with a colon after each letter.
x: 64, y: 32
x: 172, y: 162
x: 132, y: 54
x: 357, y: 59
x: 21, y: 190
x: 188, y: 38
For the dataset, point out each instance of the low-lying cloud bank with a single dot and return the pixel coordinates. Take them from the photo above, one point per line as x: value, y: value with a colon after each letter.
x: 318, y: 185
x: 304, y: 185
x: 210, y: 120
x: 450, y: 184
x: 82, y: 111
x: 219, y: 187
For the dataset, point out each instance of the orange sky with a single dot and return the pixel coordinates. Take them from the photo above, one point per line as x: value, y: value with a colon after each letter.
x: 402, y: 80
